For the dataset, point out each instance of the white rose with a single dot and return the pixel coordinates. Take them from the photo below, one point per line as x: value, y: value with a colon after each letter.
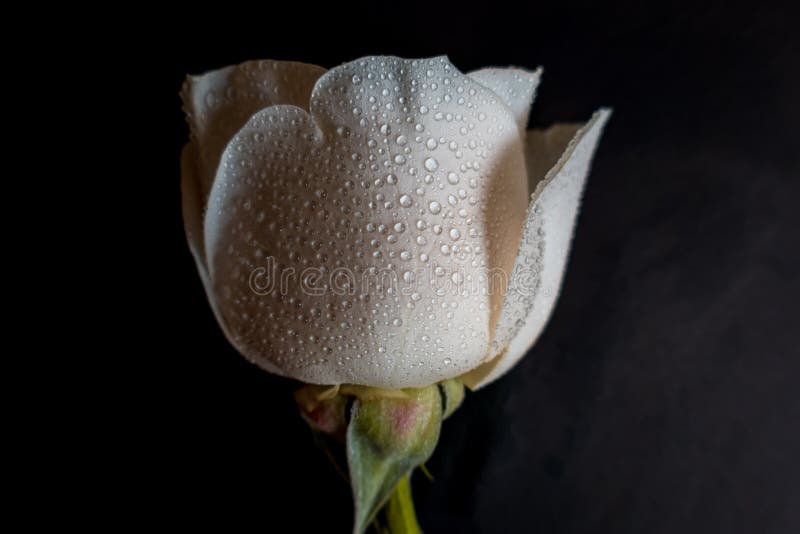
x: 388, y: 222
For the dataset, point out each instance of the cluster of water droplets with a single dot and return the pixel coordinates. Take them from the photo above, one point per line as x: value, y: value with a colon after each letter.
x: 378, y: 201
x: 525, y: 283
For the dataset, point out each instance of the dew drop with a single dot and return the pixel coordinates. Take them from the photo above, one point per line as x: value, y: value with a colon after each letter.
x: 434, y: 207
x: 431, y: 164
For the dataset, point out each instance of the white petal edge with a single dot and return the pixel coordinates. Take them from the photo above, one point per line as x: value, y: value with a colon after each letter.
x: 192, y: 204
x: 193, y: 226
x: 544, y: 247
x: 516, y: 87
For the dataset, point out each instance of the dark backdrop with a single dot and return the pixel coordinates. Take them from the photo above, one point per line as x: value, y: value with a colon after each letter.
x: 661, y: 398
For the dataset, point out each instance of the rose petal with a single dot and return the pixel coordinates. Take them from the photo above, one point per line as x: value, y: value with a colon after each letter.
x: 516, y: 87
x: 192, y: 203
x: 545, y: 243
x: 193, y: 225
x: 219, y: 103
x: 312, y: 191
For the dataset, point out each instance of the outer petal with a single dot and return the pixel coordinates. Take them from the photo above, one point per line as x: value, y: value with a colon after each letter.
x: 545, y: 243
x: 379, y: 210
x: 193, y: 224
x: 516, y: 87
x: 218, y: 104
x: 193, y: 205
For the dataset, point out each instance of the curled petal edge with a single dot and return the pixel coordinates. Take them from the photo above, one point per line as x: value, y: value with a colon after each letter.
x: 545, y: 243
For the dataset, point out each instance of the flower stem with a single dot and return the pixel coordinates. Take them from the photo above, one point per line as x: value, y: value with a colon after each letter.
x: 400, y: 516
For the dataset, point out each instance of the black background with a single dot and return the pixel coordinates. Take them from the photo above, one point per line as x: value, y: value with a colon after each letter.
x: 662, y: 397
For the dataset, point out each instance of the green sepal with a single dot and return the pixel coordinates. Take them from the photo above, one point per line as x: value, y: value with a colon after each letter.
x: 386, y: 439
x: 452, y: 396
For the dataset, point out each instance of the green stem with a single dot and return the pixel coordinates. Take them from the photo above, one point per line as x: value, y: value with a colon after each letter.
x: 399, y: 509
